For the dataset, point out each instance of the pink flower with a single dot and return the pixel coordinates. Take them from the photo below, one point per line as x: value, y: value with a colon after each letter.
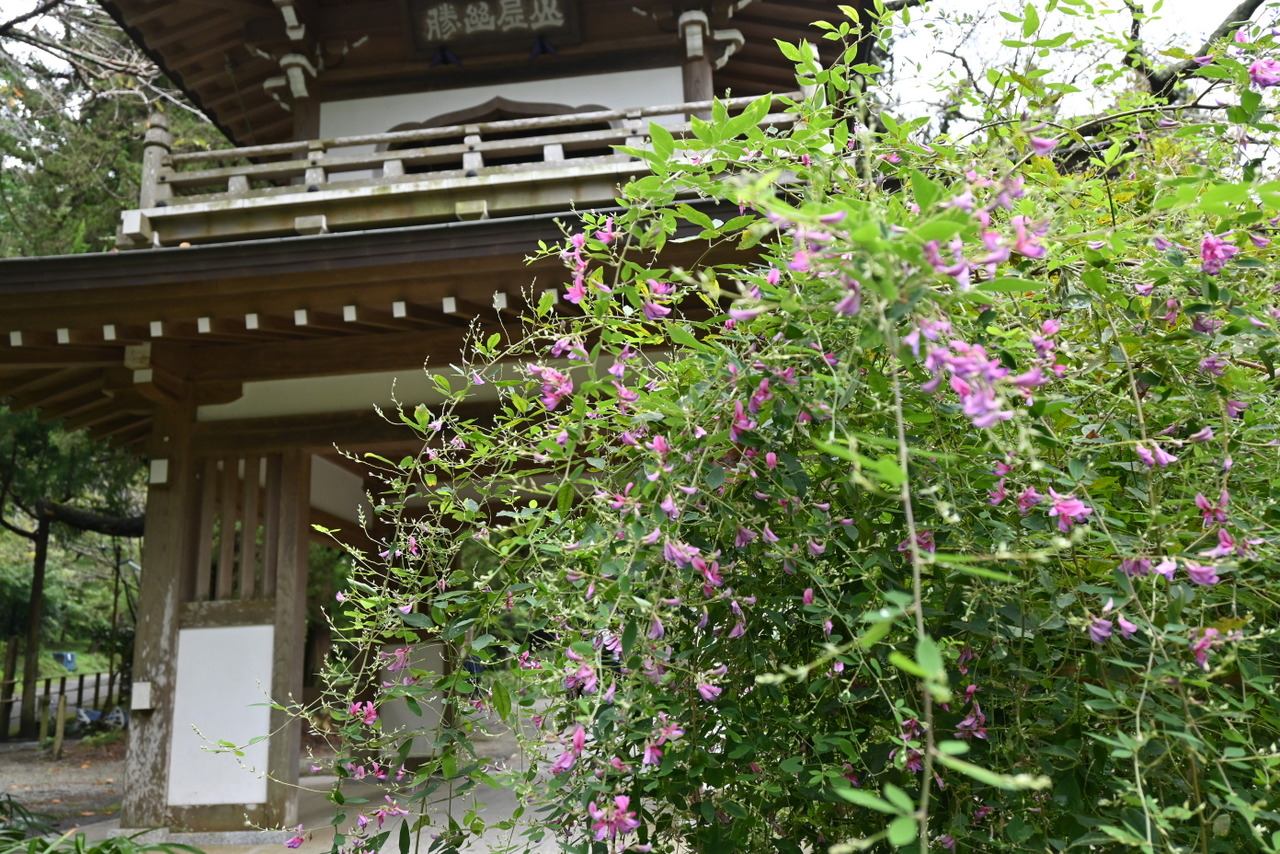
x: 563, y: 763
x: 1201, y: 645
x: 1042, y: 146
x: 1068, y: 509
x: 615, y: 820
x: 1127, y: 629
x: 1135, y: 566
x: 1028, y: 499
x: 807, y: 597
x: 1157, y: 457
x: 1215, y: 252
x: 1213, y: 513
x: 709, y: 692
x: 296, y: 840
x: 365, y: 712
x: 1265, y: 73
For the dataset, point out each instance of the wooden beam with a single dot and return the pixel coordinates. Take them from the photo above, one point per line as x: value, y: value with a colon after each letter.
x: 30, y: 381
x: 60, y: 357
x: 75, y: 386
x: 353, y: 431
x: 327, y: 357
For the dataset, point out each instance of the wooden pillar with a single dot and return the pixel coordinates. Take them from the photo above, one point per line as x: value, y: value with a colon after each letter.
x: 290, y: 635
x: 155, y: 153
x: 695, y: 29
x: 167, y: 558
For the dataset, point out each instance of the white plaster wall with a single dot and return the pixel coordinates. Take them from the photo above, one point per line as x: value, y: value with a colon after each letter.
x: 336, y: 490
x: 617, y: 90
x: 224, y: 676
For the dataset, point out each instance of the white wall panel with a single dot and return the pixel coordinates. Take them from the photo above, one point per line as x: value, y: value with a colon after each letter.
x: 224, y: 676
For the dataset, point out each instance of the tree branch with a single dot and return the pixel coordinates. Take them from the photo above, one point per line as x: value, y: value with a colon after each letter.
x: 47, y: 6
x: 1163, y: 81
x: 87, y: 520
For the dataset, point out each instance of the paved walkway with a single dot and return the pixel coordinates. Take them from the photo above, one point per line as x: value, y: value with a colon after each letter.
x: 315, y: 812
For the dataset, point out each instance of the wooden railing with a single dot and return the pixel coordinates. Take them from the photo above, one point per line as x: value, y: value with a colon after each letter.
x: 470, y: 171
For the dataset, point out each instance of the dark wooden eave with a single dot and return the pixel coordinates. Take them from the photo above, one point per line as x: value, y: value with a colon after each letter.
x: 210, y: 318
x: 219, y: 51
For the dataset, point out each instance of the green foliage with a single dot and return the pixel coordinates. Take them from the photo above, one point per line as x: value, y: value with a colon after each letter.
x: 18, y: 823
x: 77, y: 843
x: 71, y: 132
x: 934, y: 507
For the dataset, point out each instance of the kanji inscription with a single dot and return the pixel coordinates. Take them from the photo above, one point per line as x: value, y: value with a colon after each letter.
x: 463, y: 22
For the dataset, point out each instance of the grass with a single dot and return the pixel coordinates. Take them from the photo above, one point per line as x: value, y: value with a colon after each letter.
x: 87, y: 662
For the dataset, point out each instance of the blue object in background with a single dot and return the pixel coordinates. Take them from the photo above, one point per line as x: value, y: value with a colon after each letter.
x: 66, y: 659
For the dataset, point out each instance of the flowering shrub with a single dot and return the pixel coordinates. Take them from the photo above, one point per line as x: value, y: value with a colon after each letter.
x: 935, y: 508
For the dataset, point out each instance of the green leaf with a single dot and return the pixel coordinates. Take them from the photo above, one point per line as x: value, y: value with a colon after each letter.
x: 1008, y: 284
x: 715, y: 477
x: 680, y: 334
x: 926, y: 190
x: 482, y: 641
x: 899, y: 798
x: 902, y: 831
x: 501, y: 699
x: 865, y: 799
x: 902, y: 662
x: 1031, y: 22
x: 991, y: 778
x: 929, y: 657
x: 664, y: 144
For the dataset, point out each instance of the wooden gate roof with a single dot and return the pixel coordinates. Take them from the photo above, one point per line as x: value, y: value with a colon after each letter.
x: 220, y: 52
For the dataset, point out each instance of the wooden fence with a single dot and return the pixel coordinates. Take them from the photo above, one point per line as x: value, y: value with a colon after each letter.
x: 100, y: 688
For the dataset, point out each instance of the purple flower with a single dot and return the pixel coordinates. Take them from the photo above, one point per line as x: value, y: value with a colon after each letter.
x: 1236, y: 408
x: 1206, y: 576
x: 1213, y: 513
x: 1166, y: 567
x: 1204, y: 434
x: 563, y: 763
x: 1042, y: 146
x: 1215, y: 252
x: 1225, y: 548
x: 1264, y: 73
x: 1099, y: 629
x: 296, y: 840
x: 709, y: 692
x: 1201, y: 645
x: 1127, y: 629
x: 1135, y: 566
x: 653, y: 311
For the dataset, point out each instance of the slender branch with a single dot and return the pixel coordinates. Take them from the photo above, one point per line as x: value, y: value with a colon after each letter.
x: 47, y: 6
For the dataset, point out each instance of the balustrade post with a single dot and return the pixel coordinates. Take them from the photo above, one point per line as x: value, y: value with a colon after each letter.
x: 315, y: 174
x: 472, y: 158
x: 156, y: 148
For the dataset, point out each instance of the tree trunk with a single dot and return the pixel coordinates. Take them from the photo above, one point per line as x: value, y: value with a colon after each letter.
x: 27, y: 726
